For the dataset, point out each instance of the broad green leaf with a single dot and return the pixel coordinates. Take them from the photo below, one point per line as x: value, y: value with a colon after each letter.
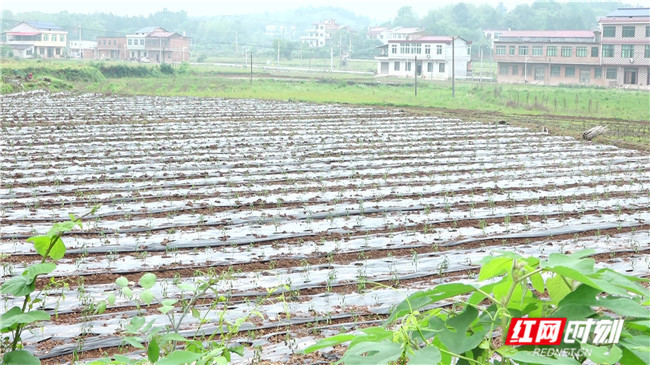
x: 39, y: 269
x: 239, y: 350
x: 537, y: 282
x: 427, y: 297
x: 328, y: 342
x: 372, y: 353
x: 507, y: 351
x: 18, y: 286
x: 426, y: 355
x: 494, y: 266
x: 602, y: 354
x: 586, y: 295
x: 101, y: 307
x: 186, y: 287
x: 635, y: 349
x: 179, y: 357
x: 557, y: 289
x: 456, y: 338
x: 122, y: 282
x: 623, y: 282
x: 42, y: 244
x: 14, y: 316
x: 165, y: 309
x: 135, y: 324
x: 62, y: 227
x: 5, y: 324
x: 111, y: 299
x: 153, y: 350
x: 172, y: 337
x: 127, y: 292
x: 530, y: 357
x: 146, y: 296
x: 148, y: 280
x: 20, y: 357
x: 168, y: 302
x: 135, y: 342
x: 572, y: 311
x: 195, y: 313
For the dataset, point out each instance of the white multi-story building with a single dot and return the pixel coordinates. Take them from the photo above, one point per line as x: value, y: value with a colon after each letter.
x: 626, y: 46
x: 398, y: 33
x: 434, y: 57
x: 321, y: 33
x: 37, y: 39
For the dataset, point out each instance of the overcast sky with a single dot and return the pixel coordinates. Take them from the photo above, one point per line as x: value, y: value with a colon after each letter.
x: 377, y: 9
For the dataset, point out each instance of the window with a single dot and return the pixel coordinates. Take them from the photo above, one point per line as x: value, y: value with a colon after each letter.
x: 646, y: 54
x: 393, y: 48
x: 551, y: 51
x: 581, y: 51
x: 511, y: 50
x: 441, y: 67
x: 647, y: 30
x: 523, y: 50
x: 569, y: 71
x: 538, y: 51
x: 598, y: 73
x: 439, y: 49
x: 628, y: 31
x: 609, y: 31
x: 566, y: 51
x: 396, y: 66
x: 608, y: 50
x: 62, y: 37
x: 515, y: 70
x: 416, y: 48
x: 611, y: 73
x: 503, y: 69
x: 115, y: 41
x: 594, y: 51
x: 408, y: 66
x: 429, y: 66
x: 40, y: 50
x: 555, y: 70
x: 501, y: 50
x: 627, y: 51
x: 58, y: 51
x: 142, y: 42
x: 46, y: 37
x: 404, y: 48
x: 427, y: 49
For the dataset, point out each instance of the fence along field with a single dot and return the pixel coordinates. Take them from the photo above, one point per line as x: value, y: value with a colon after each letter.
x: 319, y: 202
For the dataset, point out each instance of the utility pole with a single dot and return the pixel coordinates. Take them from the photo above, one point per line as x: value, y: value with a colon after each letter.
x: 453, y: 68
x: 236, y: 44
x: 278, y: 64
x: 415, y: 72
x: 340, y: 54
x: 251, y: 67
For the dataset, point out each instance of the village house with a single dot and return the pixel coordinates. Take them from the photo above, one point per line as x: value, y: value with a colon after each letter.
x: 82, y: 49
x: 626, y: 47
x: 321, y: 34
x: 434, y: 57
x: 384, y: 34
x: 37, y: 40
x: 549, y: 57
x: 150, y: 44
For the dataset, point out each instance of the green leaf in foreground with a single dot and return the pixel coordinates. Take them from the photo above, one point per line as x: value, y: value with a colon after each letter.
x: 179, y: 357
x: 18, y: 286
x: 153, y: 351
x: 426, y: 297
x: 330, y: 341
x: 20, y: 357
x: 603, y: 354
x: 426, y: 355
x: 42, y: 244
x: 372, y: 353
x: 148, y: 280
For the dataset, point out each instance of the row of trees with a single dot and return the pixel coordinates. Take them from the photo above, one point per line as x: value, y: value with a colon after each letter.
x: 227, y: 34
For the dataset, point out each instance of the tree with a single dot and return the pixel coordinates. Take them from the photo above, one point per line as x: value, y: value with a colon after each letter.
x: 405, y: 17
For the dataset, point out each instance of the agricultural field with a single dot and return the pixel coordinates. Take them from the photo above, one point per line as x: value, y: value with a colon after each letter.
x: 318, y: 217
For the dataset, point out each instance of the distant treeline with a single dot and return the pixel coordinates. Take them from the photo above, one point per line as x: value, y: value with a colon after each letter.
x: 235, y: 34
